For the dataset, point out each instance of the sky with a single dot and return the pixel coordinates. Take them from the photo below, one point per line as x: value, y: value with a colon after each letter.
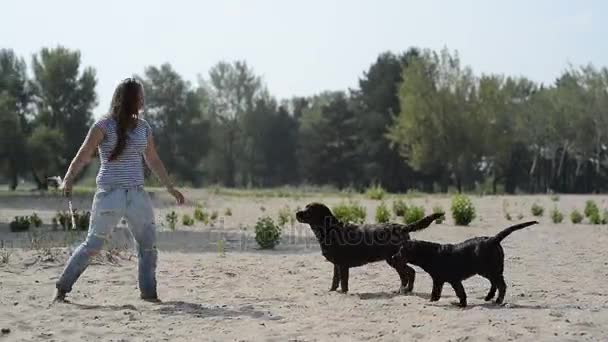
x: 304, y: 47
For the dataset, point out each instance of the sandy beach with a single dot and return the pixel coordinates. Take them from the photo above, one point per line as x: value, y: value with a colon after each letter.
x: 556, y: 277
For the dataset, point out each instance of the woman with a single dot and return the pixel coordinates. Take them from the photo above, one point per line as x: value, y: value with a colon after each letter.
x: 122, y: 138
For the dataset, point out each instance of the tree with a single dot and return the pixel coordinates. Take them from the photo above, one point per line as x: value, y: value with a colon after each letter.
x: 65, y: 97
x: 173, y: 110
x: 45, y: 152
x: 14, y: 102
x: 234, y: 89
x: 377, y: 103
x: 437, y: 128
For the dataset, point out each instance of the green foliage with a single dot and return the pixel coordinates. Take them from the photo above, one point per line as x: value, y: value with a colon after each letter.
x: 399, y: 207
x: 576, y: 217
x: 537, y: 210
x: 508, y: 217
x: 35, y: 220
x: 555, y: 198
x: 350, y: 212
x: 383, y: 214
x: 285, y: 216
x: 413, y: 214
x: 605, y: 217
x: 20, y: 224
x: 228, y: 212
x: 375, y: 192
x: 201, y: 215
x: 595, y: 218
x: 556, y: 216
x: 171, y: 219
x: 267, y: 233
x: 438, y: 210
x: 187, y: 220
x: 591, y: 209
x: 463, y: 211
x: 214, y: 215
x: 65, y: 220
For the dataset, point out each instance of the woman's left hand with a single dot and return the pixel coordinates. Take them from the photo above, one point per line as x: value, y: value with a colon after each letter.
x: 178, y: 195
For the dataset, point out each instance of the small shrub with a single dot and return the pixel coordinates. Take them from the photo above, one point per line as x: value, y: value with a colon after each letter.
x: 82, y: 220
x: 555, y: 198
x: 591, y: 209
x: 214, y: 215
x: 54, y: 223
x: 375, y: 192
x: 200, y: 215
x: 508, y: 216
x: 383, y: 215
x: 267, y: 233
x: 399, y: 208
x: 284, y: 216
x: 463, y: 210
x: 576, y: 217
x: 349, y: 213
x: 5, y: 256
x: 437, y: 210
x: 171, y: 219
x: 595, y: 218
x: 605, y: 217
x: 413, y: 214
x: 228, y: 212
x: 35, y: 220
x: 556, y: 216
x: 187, y: 220
x: 20, y: 224
x: 537, y: 210
x: 520, y: 216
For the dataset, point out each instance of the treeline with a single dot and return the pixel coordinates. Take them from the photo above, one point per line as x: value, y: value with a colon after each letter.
x: 417, y: 120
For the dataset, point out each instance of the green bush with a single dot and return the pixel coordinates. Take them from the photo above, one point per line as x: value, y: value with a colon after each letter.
x: 508, y: 216
x: 35, y: 220
x: 375, y: 192
x: 556, y: 216
x: 437, y: 210
x: 228, y: 212
x: 555, y: 198
x: 201, y: 215
x: 413, y: 214
x: 267, y: 233
x: 591, y: 209
x: 82, y: 219
x: 187, y: 220
x: 537, y: 210
x: 171, y: 219
x: 576, y: 217
x: 349, y: 213
x: 463, y: 210
x: 605, y: 217
x: 595, y: 218
x: 64, y: 219
x: 20, y: 224
x: 383, y: 215
x: 399, y: 208
x: 284, y: 216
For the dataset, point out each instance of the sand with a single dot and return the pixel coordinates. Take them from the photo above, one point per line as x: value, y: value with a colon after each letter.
x: 556, y: 277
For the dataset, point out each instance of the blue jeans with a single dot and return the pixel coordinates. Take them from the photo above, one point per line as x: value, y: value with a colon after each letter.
x: 109, y: 206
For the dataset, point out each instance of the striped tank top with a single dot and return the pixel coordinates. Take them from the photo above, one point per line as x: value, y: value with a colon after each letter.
x: 127, y: 170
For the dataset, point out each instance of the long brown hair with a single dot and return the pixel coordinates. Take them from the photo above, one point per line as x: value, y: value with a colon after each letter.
x: 124, y: 109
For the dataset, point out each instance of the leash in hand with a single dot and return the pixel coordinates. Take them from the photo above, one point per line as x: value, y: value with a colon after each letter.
x: 59, y: 182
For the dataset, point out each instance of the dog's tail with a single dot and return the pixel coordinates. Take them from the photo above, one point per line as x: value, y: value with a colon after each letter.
x: 422, y: 223
x: 503, y: 234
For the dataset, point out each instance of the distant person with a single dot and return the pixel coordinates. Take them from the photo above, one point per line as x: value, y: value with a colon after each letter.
x: 122, y: 139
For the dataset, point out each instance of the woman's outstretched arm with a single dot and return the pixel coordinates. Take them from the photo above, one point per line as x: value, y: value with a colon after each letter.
x: 82, y: 158
x: 157, y: 166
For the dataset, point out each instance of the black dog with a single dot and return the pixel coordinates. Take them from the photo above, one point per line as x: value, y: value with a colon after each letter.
x: 454, y: 263
x: 350, y: 245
